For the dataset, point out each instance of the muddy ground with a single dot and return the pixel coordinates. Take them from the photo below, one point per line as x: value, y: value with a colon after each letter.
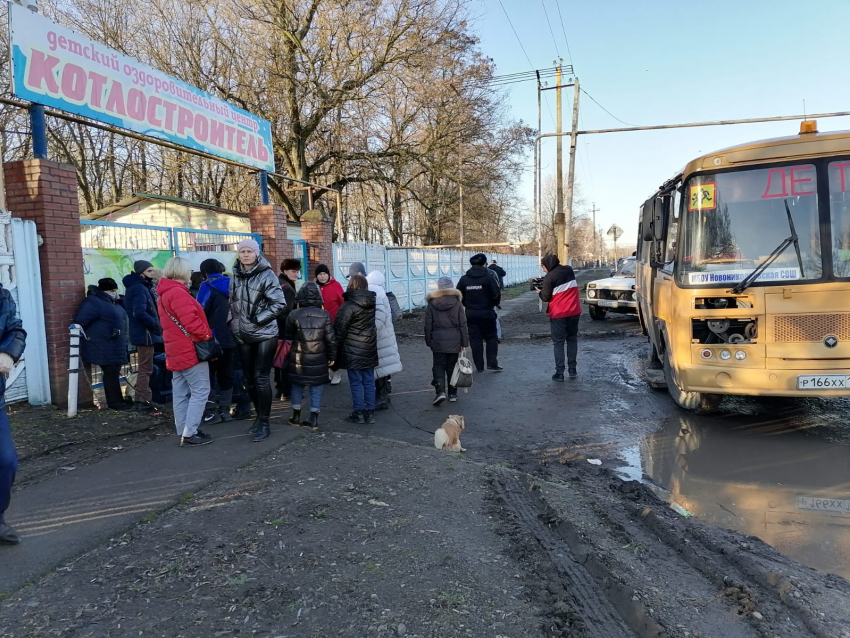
x: 327, y: 537
x: 369, y: 531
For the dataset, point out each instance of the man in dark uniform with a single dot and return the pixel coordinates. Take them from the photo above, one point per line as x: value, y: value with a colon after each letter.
x: 481, y: 295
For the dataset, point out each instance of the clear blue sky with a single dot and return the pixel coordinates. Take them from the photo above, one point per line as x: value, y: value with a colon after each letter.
x: 663, y: 61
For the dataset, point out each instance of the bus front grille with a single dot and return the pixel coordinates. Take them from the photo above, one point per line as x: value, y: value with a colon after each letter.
x: 803, y: 328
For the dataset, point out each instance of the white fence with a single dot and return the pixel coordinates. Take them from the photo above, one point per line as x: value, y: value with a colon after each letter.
x: 21, y: 276
x: 413, y: 272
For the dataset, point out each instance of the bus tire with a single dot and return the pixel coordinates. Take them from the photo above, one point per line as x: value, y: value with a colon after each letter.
x: 653, y: 361
x: 596, y: 313
x: 699, y: 402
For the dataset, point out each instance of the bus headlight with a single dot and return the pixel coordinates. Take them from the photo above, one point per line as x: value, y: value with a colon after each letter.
x: 740, y: 355
x: 591, y: 293
x: 725, y: 355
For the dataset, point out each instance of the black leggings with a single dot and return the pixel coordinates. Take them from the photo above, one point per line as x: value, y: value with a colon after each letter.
x: 257, y: 359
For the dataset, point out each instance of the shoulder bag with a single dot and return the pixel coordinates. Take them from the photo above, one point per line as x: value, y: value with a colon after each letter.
x: 206, y: 350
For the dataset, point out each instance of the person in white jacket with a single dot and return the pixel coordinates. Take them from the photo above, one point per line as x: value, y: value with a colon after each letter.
x: 389, y: 360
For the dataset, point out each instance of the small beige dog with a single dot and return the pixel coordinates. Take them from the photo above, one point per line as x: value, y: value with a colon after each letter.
x: 448, y: 436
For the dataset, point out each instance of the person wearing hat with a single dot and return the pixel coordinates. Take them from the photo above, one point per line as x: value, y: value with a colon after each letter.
x: 332, y: 297
x: 356, y: 268
x: 145, y: 329
x: 104, y: 323
x: 500, y: 272
x: 446, y: 334
x: 214, y: 298
x: 481, y: 295
x: 256, y: 301
x: 290, y: 270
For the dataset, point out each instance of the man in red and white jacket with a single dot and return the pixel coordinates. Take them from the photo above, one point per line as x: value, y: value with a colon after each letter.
x: 560, y: 290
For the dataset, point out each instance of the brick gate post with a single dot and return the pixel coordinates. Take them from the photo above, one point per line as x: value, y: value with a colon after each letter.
x: 317, y: 229
x: 270, y: 222
x: 46, y: 193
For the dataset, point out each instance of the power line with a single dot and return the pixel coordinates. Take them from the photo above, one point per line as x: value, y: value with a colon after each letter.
x: 515, y: 33
x: 569, y: 55
x: 546, y: 13
x: 606, y: 110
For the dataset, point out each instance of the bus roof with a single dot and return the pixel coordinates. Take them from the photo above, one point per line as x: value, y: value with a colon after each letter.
x: 802, y: 146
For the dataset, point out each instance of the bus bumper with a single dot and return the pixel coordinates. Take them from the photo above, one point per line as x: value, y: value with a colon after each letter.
x: 756, y: 382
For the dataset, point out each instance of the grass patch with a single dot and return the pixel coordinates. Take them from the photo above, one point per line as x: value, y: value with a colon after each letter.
x: 320, y: 513
x: 185, y: 498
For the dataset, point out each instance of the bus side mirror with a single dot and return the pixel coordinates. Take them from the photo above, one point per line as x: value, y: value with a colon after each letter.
x: 660, y: 218
x: 646, y: 222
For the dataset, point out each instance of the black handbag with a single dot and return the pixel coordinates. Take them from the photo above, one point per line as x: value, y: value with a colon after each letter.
x: 205, y: 350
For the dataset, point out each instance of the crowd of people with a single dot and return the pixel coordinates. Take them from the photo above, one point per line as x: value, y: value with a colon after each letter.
x: 222, y: 336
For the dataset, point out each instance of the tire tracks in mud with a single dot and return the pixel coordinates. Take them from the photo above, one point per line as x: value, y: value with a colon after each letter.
x: 691, y: 579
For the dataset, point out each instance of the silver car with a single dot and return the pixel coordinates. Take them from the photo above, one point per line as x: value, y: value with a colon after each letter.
x: 614, y: 294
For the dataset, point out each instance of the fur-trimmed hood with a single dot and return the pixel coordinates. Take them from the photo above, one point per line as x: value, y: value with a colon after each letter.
x: 444, y: 292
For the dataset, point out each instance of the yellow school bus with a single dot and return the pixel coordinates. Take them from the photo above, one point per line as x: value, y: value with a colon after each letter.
x: 743, y: 276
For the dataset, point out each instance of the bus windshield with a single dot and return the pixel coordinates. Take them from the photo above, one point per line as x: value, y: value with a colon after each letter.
x: 732, y: 222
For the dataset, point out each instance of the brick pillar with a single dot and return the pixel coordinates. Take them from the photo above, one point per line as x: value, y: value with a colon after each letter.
x: 270, y: 222
x: 46, y: 193
x: 318, y: 231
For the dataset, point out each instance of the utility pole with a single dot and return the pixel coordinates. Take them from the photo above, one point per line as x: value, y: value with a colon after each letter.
x: 595, y: 245
x: 560, y: 226
x: 572, y: 171
x: 460, y: 205
x: 537, y: 201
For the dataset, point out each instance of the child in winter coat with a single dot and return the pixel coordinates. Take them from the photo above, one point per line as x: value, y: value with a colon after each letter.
x: 446, y: 334
x: 313, y: 339
x: 357, y: 345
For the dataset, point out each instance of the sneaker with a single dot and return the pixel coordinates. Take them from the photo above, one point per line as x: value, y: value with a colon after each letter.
x: 336, y: 378
x: 441, y: 396
x: 212, y: 417
x: 452, y: 397
x: 239, y: 414
x: 142, y: 406
x: 120, y: 407
x: 203, y: 434
x: 558, y: 376
x: 573, y: 373
x: 495, y: 368
x: 8, y: 536
x: 225, y: 416
x: 190, y: 441
x: 356, y: 417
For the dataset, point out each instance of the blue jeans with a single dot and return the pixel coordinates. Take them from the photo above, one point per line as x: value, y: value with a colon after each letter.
x: 8, y: 462
x: 315, y: 397
x: 362, y: 384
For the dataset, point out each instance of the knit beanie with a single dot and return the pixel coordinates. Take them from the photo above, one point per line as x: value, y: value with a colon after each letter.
x: 321, y: 268
x: 141, y: 266
x: 211, y: 267
x: 445, y: 282
x: 478, y: 260
x: 249, y: 243
x: 106, y: 284
x: 291, y: 264
x: 357, y: 268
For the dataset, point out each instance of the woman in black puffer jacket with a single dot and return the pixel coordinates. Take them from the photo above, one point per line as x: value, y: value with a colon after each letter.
x: 311, y: 331
x: 357, y: 347
x: 105, y: 325
x: 256, y: 301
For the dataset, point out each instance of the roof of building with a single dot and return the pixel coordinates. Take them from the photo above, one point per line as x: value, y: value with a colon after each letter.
x: 140, y: 197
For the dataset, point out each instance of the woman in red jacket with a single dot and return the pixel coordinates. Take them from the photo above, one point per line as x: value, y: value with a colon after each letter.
x: 183, y: 323
x: 332, y: 299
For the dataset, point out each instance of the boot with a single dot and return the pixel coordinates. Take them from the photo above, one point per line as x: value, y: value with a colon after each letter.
x: 369, y: 415
x: 357, y: 417
x: 382, y: 392
x: 263, y: 430
x: 313, y: 422
x: 254, y: 426
x: 295, y: 419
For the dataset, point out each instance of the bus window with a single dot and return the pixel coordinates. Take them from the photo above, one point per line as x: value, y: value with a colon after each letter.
x: 669, y: 256
x: 839, y: 208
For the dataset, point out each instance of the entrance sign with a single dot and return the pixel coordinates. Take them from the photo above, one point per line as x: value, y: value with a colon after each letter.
x: 57, y: 67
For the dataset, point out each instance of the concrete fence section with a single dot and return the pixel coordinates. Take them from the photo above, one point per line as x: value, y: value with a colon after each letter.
x: 413, y: 272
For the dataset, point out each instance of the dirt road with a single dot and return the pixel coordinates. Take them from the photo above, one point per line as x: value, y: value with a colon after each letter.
x: 359, y: 531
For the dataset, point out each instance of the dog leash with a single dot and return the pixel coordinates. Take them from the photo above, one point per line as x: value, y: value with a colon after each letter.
x: 408, y: 422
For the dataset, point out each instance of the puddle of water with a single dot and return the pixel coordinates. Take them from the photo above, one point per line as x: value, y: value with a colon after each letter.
x: 759, y: 475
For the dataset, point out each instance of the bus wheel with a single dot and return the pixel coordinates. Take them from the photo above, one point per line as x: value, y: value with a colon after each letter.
x: 699, y: 402
x: 596, y: 313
